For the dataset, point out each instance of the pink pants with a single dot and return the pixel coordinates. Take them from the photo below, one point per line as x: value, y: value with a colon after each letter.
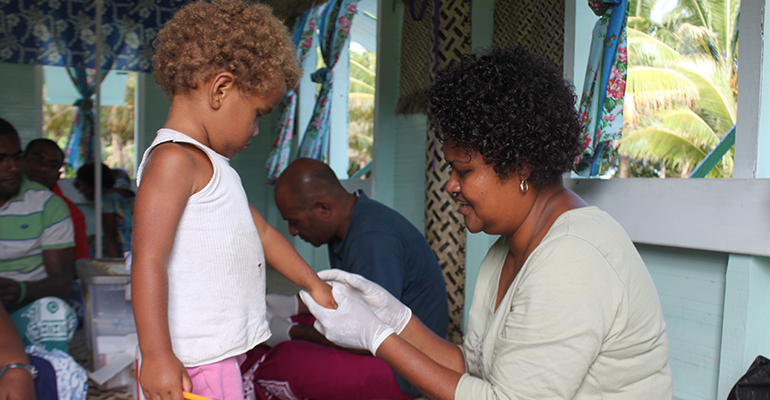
x: 221, y: 380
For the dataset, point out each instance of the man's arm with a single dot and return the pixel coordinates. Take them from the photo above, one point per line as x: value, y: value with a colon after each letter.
x: 59, y: 266
x: 15, y: 383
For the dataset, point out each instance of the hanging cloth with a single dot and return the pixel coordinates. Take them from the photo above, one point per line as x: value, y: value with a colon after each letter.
x: 278, y: 159
x: 601, y: 105
x: 63, y: 32
x: 80, y: 149
x: 335, y: 23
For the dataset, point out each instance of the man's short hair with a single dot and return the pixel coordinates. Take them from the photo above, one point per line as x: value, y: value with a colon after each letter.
x: 7, y: 129
x: 44, y: 142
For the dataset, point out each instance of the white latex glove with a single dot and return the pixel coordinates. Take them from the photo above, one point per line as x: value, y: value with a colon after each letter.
x: 386, y: 307
x: 351, y: 325
x: 280, y: 305
x: 279, y: 327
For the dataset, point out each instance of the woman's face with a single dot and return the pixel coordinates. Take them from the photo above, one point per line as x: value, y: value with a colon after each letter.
x: 84, y: 189
x: 487, y: 202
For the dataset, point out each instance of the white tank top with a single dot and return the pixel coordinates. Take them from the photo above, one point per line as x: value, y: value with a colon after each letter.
x: 216, y: 272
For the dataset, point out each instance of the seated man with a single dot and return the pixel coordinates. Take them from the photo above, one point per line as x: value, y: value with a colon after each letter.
x: 43, y: 160
x: 363, y: 237
x: 36, y: 261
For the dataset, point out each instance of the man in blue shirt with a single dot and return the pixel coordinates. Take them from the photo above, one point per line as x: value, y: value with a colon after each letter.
x: 366, y: 238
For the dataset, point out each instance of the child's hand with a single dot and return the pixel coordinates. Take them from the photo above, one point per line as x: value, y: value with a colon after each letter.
x: 163, y: 377
x: 322, y: 294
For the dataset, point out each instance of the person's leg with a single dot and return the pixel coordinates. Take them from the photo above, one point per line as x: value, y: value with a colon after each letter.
x: 221, y: 380
x: 299, y: 369
x: 48, y: 322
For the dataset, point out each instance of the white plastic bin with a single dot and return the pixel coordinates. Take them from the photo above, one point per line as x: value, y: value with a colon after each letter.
x: 109, y: 316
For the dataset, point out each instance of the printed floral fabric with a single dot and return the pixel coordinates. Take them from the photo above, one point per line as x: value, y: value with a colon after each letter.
x: 71, y: 378
x: 335, y: 23
x: 601, y: 105
x: 48, y: 322
x: 63, y: 32
x: 279, y: 155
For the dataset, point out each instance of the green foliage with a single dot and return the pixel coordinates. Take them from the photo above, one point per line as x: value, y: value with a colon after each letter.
x: 361, y: 109
x: 117, y: 129
x: 681, y: 89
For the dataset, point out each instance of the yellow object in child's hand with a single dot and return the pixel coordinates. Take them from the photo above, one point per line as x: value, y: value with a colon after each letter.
x: 191, y: 396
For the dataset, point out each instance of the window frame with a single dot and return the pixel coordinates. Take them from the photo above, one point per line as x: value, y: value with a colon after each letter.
x: 727, y: 214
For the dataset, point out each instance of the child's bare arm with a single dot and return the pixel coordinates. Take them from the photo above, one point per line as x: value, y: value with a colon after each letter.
x: 166, y: 185
x: 282, y: 257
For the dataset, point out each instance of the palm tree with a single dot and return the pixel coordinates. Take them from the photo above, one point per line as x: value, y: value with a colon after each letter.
x: 680, y: 95
x: 361, y: 109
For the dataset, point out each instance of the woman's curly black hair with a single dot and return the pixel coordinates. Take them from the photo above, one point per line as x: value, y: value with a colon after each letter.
x: 512, y: 107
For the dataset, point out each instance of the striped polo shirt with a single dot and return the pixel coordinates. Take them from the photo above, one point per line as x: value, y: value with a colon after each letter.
x: 32, y: 221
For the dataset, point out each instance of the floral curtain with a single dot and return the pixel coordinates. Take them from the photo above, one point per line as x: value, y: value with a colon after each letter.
x: 80, y: 149
x: 335, y: 22
x: 601, y: 105
x: 278, y: 159
x: 63, y: 32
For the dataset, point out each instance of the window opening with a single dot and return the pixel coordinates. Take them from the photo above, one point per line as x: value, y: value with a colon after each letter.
x: 117, y: 115
x: 681, y: 95
x: 361, y: 109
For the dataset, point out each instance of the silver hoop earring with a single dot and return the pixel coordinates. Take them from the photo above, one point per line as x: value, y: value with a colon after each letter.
x: 524, y: 186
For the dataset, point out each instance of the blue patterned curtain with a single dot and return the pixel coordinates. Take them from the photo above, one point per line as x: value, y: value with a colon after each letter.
x: 80, y: 149
x: 304, y: 28
x: 335, y: 22
x: 63, y: 32
x: 601, y: 105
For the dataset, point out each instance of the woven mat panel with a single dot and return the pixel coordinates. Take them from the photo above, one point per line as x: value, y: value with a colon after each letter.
x: 535, y: 25
x: 455, y: 31
x: 416, y: 59
x: 444, y: 226
x: 445, y: 230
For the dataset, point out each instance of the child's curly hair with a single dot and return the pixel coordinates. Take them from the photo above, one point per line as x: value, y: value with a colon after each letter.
x: 204, y: 38
x: 514, y: 108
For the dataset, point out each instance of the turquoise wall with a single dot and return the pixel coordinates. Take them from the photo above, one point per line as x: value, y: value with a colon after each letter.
x: 691, y: 285
x: 18, y: 100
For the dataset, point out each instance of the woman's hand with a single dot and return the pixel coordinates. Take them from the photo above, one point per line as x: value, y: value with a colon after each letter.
x: 17, y: 384
x: 351, y: 325
x: 386, y: 307
x: 163, y: 377
x: 322, y: 294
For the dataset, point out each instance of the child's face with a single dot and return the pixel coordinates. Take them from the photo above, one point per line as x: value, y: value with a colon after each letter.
x: 239, y: 119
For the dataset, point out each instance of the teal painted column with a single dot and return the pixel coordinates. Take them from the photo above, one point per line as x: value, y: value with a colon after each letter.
x: 388, y: 57
x: 746, y: 324
x: 152, y: 111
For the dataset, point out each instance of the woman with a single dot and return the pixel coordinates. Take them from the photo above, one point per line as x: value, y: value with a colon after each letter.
x: 117, y: 211
x: 564, y: 306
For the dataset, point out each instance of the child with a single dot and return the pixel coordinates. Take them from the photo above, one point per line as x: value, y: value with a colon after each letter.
x: 200, y: 250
